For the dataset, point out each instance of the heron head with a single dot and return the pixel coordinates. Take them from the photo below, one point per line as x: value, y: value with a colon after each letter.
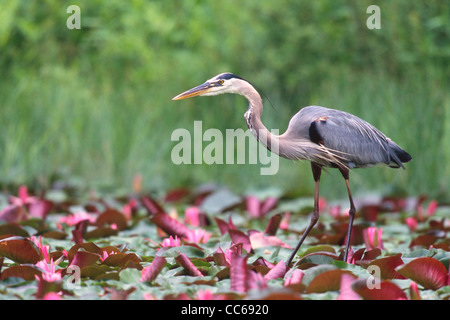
x: 222, y: 83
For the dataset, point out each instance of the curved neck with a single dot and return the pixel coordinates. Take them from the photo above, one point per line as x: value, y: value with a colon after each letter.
x: 253, y: 119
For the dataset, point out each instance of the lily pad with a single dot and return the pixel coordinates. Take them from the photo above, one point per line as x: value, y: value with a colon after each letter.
x: 385, y: 290
x: 83, y: 259
x: 20, y: 250
x: 170, y: 226
x: 387, y: 267
x: 13, y: 229
x: 112, y: 217
x: 327, y: 281
x: 151, y: 272
x: 122, y: 260
x: 26, y: 272
x: 426, y: 271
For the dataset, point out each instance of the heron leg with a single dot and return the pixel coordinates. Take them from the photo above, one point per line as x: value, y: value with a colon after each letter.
x: 351, y: 212
x: 316, y: 170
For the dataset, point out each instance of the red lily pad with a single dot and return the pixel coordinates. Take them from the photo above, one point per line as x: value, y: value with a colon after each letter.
x: 273, y: 225
x: 26, y: 272
x: 257, y: 208
x: 425, y: 240
x: 111, y: 216
x: 54, y: 234
x: 388, y: 265
x: 259, y: 239
x: 385, y: 291
x: 268, y: 204
x: 12, y: 229
x: 83, y: 259
x: 100, y: 232
x: 357, y: 255
x: 170, y: 226
x: 39, y: 208
x: 370, y: 212
x: 219, y: 259
x: 327, y: 281
x: 122, y: 260
x: 150, y: 273
x: 184, y: 261
x: 13, y: 213
x: 371, y: 254
x: 86, y: 246
x: 224, y: 226
x: 176, y: 194
x: 263, y: 262
x: 152, y: 206
x: 238, y: 236
x: 276, y: 272
x: 79, y: 231
x: 94, y: 271
x: 443, y: 246
x: 253, y: 206
x: 20, y: 250
x: 238, y: 273
x: 426, y: 271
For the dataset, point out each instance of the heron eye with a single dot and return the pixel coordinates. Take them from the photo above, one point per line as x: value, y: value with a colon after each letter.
x: 220, y: 82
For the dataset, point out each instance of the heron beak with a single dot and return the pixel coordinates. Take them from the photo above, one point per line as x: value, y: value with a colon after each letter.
x: 197, y: 91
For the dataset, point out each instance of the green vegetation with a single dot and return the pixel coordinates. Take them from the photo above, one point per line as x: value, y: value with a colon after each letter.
x: 96, y: 103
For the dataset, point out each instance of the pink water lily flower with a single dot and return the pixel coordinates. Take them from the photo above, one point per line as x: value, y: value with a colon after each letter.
x: 412, y: 223
x: 192, y: 216
x: 74, y: 218
x: 198, y: 236
x: 257, y: 208
x: 294, y: 277
x: 372, y: 238
x: 414, y: 292
x: 337, y: 212
x: 23, y: 206
x: 171, y: 242
x: 130, y: 208
x: 52, y: 296
x: 225, y: 256
x: 49, y: 273
x: 208, y: 295
x: 284, y: 224
x: 255, y: 281
x: 43, y: 249
x: 346, y: 292
x: 323, y: 204
x: 430, y: 210
x: 105, y: 255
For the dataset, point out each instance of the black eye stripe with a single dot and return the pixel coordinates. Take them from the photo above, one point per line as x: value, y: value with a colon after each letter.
x: 228, y: 76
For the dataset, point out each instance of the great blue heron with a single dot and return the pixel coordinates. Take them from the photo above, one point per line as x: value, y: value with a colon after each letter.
x: 325, y: 137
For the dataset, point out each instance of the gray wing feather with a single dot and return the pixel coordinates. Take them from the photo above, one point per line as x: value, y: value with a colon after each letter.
x: 355, y: 141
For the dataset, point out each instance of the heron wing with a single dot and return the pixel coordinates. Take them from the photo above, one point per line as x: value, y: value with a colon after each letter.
x: 351, y: 138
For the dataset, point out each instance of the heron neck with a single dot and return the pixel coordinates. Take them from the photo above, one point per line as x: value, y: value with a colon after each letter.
x: 253, y: 119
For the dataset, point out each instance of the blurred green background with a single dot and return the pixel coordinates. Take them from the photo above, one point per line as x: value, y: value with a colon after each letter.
x: 95, y: 104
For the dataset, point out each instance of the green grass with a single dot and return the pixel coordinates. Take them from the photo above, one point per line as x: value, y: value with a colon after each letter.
x: 95, y: 103
x: 55, y: 124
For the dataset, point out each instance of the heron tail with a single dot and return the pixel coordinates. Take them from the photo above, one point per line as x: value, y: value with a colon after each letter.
x: 398, y: 155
